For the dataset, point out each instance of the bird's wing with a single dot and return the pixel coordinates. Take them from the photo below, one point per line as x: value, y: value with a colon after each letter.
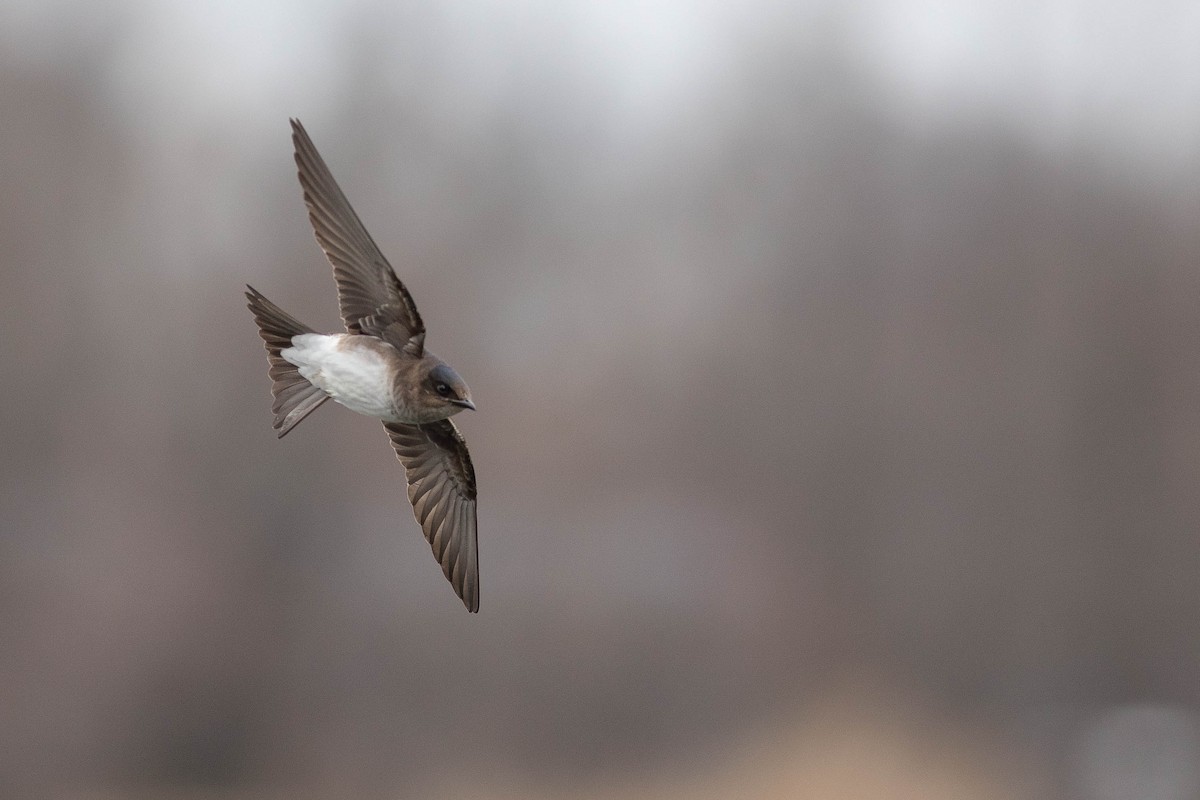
x: 371, y: 297
x: 441, y: 488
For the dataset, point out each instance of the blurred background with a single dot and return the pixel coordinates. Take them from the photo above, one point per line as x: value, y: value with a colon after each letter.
x: 838, y: 372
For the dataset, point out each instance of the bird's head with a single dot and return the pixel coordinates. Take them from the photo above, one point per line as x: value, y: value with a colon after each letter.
x: 444, y: 390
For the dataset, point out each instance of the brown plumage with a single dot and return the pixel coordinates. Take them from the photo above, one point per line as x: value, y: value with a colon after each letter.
x: 295, y: 397
x: 372, y: 299
x: 380, y: 368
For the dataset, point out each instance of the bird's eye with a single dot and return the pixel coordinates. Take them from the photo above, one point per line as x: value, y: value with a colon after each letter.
x: 443, y: 389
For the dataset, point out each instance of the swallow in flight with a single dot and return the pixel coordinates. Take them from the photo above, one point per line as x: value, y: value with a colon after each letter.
x: 379, y: 368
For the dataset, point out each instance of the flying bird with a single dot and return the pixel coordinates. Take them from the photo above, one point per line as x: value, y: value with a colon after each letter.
x: 379, y: 368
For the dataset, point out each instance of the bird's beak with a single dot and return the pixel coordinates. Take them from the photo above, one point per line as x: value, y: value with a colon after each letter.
x: 465, y: 403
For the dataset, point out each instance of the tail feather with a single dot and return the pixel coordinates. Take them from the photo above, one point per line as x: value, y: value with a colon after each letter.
x: 295, y: 397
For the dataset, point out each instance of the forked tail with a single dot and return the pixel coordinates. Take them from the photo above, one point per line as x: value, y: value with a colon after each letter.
x: 295, y: 397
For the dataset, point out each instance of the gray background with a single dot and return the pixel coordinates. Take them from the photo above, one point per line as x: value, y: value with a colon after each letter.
x: 838, y: 372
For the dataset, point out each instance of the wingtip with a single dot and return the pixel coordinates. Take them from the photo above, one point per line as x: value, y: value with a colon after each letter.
x: 254, y: 298
x: 299, y: 134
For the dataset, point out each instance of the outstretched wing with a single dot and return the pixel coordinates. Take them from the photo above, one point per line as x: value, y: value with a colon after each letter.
x: 441, y: 488
x: 371, y: 297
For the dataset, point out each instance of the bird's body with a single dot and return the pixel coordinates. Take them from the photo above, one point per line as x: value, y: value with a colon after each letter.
x: 367, y: 375
x: 379, y: 368
x: 356, y: 371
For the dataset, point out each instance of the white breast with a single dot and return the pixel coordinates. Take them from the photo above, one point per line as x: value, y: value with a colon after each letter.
x: 353, y: 370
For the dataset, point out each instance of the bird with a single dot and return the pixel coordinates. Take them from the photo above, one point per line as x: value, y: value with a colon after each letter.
x: 379, y: 368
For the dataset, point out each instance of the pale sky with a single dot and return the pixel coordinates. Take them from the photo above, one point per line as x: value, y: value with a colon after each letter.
x: 1126, y: 74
